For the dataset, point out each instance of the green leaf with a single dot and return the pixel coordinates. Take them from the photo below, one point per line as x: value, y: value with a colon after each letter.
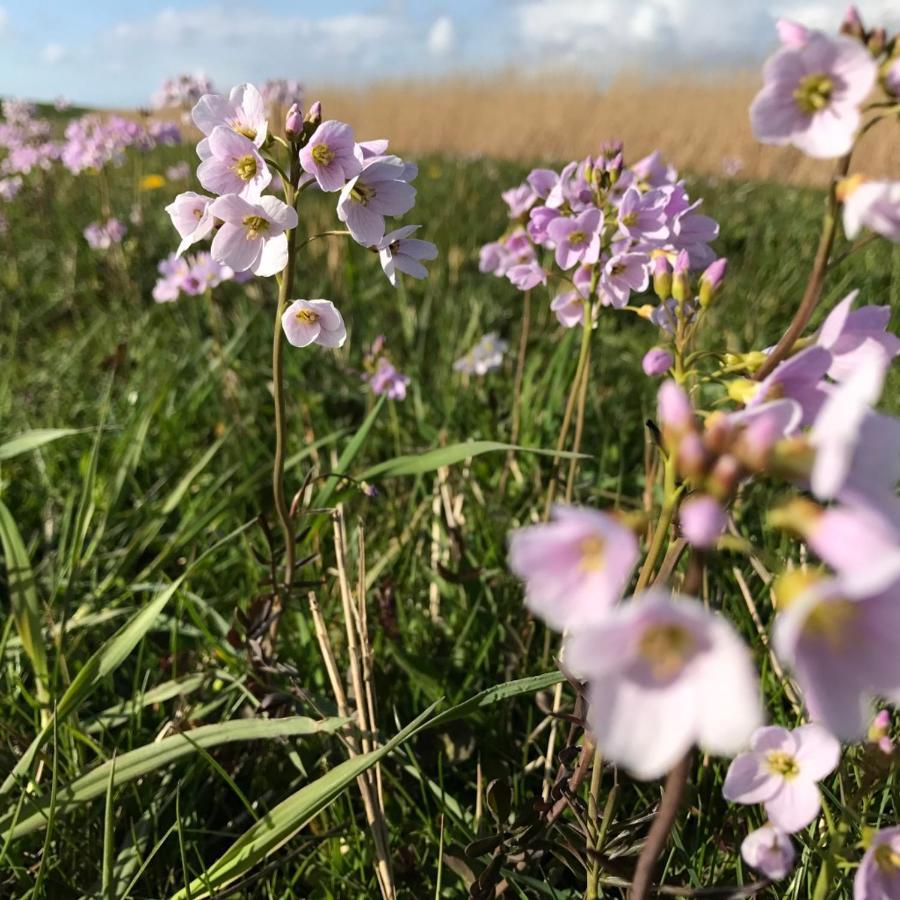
x: 431, y: 460
x: 32, y: 440
x: 23, y: 597
x: 108, y: 658
x: 281, y: 823
x: 147, y: 759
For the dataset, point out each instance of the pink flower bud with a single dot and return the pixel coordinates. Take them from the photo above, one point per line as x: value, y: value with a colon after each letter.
x: 702, y: 521
x: 680, y: 280
x: 662, y: 277
x: 711, y: 281
x: 852, y: 24
x: 657, y: 361
x: 314, y: 116
x: 293, y: 123
x: 675, y: 410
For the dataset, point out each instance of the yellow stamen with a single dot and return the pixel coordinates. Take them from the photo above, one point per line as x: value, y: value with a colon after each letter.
x: 814, y: 92
x: 781, y: 763
x: 307, y: 316
x: 245, y: 167
x: 668, y: 648
x: 592, y: 553
x: 256, y: 226
x: 322, y: 154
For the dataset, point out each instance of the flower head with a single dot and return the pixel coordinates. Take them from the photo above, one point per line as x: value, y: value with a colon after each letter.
x: 575, y: 567
x: 243, y: 112
x: 781, y: 770
x: 190, y: 215
x: 233, y: 166
x: 878, y: 875
x: 874, y: 205
x: 577, y: 239
x: 308, y: 322
x: 769, y: 851
x: 399, y: 252
x: 329, y: 155
x: 663, y: 675
x: 387, y: 381
x: 812, y: 95
x: 484, y: 357
x: 380, y: 190
x: 252, y: 235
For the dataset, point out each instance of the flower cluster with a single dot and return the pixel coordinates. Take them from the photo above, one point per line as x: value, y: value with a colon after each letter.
x: 26, y: 139
x: 94, y: 141
x: 192, y: 275
x: 484, y: 357
x: 181, y: 92
x: 280, y: 93
x: 380, y: 373
x: 102, y: 235
x: 609, y: 228
x: 249, y: 227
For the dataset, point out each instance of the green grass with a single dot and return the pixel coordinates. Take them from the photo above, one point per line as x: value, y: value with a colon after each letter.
x: 168, y: 475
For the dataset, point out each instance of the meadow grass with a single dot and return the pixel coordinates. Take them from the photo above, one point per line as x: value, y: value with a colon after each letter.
x: 164, y: 492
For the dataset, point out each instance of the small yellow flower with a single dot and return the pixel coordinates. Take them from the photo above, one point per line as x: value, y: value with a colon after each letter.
x: 151, y: 182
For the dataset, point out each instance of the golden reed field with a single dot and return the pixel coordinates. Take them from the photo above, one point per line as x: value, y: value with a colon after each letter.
x: 699, y: 123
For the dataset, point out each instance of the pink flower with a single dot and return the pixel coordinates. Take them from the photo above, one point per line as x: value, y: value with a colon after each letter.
x: 702, y: 521
x: 663, y: 675
x: 244, y: 112
x: 781, y: 771
x: 878, y: 875
x: 519, y: 199
x: 769, y: 851
x: 400, y: 253
x: 874, y: 205
x: 575, y: 567
x: 657, y: 361
x: 190, y: 215
x: 527, y: 276
x: 253, y: 234
x: 843, y: 643
x: 812, y: 95
x: 854, y: 336
x: 379, y: 190
x: 308, y: 322
x: 577, y: 239
x: 568, y: 308
x: 675, y: 410
x: 623, y: 274
x: 234, y: 166
x: 798, y: 378
x: 387, y: 381
x: 329, y: 155
x: 642, y: 217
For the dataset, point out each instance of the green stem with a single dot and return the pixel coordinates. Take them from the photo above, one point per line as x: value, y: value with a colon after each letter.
x: 593, y: 878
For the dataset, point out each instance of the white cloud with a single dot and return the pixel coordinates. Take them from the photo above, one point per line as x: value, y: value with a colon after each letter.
x: 441, y: 38
x: 53, y: 53
x: 658, y: 35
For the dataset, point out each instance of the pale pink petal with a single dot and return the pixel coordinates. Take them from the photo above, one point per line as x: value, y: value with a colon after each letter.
x: 795, y: 805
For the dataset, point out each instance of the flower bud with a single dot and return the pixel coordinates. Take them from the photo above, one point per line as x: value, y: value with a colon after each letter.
x: 702, y: 521
x: 675, y: 410
x: 656, y: 361
x: 798, y: 515
x: 852, y: 24
x: 742, y: 390
x: 314, y: 116
x: 725, y: 476
x: 692, y: 459
x: 293, y: 122
x: 793, y: 583
x: 711, y: 281
x: 890, y: 75
x: 681, y: 287
x: 877, y: 41
x: 662, y: 277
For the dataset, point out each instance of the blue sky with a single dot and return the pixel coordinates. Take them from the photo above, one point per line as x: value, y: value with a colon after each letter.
x: 116, y: 53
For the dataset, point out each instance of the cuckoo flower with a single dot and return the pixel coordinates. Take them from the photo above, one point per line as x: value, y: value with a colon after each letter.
x: 781, y: 770
x: 308, y: 322
x: 575, y: 567
x: 812, y: 95
x: 387, y: 381
x: 484, y: 357
x: 623, y: 274
x: 878, y: 875
x: 234, y: 166
x: 329, y: 155
x: 662, y: 676
x: 577, y: 239
x: 527, y: 275
x: 769, y: 851
x: 519, y: 200
x: 252, y: 235
x: 843, y: 643
x: 642, y: 217
x: 243, y: 112
x: 190, y: 215
x: 657, y: 361
x: 797, y: 378
x: 874, y: 205
x: 379, y: 190
x: 400, y: 253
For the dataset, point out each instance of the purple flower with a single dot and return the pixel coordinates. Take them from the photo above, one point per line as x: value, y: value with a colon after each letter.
x: 843, y: 644
x: 102, y: 235
x: 798, y: 378
x: 769, y: 851
x: 702, y: 521
x: 653, y: 171
x: 484, y: 357
x: 663, y: 675
x: 542, y: 182
x: 519, y: 200
x: 244, y: 113
x: 10, y: 187
x: 539, y: 220
x: 400, y: 253
x: 577, y: 239
x: 642, y: 217
x: 657, y: 361
x: 575, y: 567
x: 852, y: 336
x: 379, y: 190
x: 329, y: 155
x: 782, y: 770
x: 191, y: 217
x: 878, y: 875
x: 874, y: 205
x: 252, y: 235
x: 308, y: 322
x: 492, y: 258
x: 387, y: 381
x: 623, y: 274
x: 812, y: 95
x: 527, y: 276
x: 234, y: 166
